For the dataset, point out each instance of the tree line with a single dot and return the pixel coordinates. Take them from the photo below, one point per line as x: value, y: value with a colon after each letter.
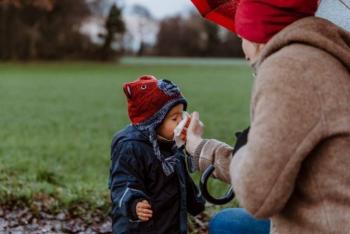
x: 51, y: 30
x: 193, y: 36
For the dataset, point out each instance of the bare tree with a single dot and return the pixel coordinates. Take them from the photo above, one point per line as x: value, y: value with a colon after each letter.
x: 51, y: 29
x: 144, y: 23
x: 192, y: 36
x: 115, y: 29
x: 181, y: 37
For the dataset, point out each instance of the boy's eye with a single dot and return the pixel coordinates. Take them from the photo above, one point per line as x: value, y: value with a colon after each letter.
x: 176, y: 118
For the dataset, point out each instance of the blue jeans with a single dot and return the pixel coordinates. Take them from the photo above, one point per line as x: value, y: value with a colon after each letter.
x: 237, y: 221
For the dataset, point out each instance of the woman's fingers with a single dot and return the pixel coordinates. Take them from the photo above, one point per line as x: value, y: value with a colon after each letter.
x: 194, y: 121
x: 196, y: 126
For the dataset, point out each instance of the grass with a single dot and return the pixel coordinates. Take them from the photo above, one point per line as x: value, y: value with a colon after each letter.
x: 57, y: 120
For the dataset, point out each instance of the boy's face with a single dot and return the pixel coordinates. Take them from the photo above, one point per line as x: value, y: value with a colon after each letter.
x: 172, y: 119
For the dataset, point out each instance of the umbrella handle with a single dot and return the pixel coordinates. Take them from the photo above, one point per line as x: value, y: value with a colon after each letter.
x: 203, y: 185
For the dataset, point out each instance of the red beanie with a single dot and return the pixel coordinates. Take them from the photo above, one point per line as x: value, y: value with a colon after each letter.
x: 147, y: 96
x: 256, y: 20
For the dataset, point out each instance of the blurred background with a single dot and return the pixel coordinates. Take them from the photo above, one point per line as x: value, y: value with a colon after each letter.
x: 107, y: 30
x: 62, y: 66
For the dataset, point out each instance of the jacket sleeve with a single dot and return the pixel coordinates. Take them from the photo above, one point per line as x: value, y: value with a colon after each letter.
x: 126, y: 180
x: 195, y: 200
x: 219, y: 154
x: 286, y: 125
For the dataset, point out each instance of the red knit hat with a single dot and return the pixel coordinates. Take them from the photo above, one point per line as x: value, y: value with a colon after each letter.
x: 256, y: 20
x: 146, y: 96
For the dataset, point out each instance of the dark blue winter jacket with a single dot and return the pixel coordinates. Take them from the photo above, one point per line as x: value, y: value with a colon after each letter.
x: 136, y: 174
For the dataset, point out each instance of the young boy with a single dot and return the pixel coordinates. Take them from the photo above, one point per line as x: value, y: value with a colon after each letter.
x: 151, y: 190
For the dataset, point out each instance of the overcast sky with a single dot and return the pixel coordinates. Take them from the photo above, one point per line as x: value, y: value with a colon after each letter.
x: 161, y: 8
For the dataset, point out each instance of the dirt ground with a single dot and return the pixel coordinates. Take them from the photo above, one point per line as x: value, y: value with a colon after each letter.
x: 24, y: 220
x: 15, y: 220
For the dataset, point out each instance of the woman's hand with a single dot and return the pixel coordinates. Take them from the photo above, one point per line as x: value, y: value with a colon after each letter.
x: 194, y: 133
x: 144, y: 211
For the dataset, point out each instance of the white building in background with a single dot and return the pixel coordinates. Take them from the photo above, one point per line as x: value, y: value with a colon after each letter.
x: 139, y: 30
x: 93, y: 27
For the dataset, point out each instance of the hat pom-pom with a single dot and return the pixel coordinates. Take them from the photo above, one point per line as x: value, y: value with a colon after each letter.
x: 168, y: 88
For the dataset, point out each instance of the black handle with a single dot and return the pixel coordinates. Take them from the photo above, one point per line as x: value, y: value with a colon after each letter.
x: 203, y: 185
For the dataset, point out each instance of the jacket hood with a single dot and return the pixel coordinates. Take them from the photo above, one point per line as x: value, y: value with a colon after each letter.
x: 312, y: 31
x: 130, y: 133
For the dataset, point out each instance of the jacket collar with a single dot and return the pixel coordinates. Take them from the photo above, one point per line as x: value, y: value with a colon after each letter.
x: 312, y: 31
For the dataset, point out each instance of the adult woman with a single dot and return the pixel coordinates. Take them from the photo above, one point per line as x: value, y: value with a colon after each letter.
x: 293, y: 169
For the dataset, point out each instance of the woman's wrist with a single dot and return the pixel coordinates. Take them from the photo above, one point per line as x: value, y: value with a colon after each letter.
x: 196, y: 154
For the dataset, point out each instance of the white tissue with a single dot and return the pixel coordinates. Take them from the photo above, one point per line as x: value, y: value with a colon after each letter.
x: 177, y: 131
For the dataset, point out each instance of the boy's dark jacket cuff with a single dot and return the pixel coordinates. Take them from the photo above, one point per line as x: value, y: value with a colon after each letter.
x: 127, y: 203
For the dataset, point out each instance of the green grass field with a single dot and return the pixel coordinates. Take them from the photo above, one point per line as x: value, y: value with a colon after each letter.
x: 57, y: 120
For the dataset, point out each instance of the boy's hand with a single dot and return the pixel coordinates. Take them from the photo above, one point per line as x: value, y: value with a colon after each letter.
x: 143, y: 210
